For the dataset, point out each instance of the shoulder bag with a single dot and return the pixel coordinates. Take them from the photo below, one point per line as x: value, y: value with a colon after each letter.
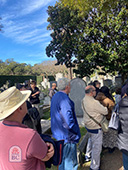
x: 103, y: 123
x: 114, y: 121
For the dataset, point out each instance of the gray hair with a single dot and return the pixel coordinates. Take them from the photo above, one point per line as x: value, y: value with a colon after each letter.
x: 62, y: 83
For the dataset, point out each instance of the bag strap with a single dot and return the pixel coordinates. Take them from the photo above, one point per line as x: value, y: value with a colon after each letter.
x: 91, y: 116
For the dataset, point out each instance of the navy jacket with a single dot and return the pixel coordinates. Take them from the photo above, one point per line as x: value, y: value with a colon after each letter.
x: 64, y: 124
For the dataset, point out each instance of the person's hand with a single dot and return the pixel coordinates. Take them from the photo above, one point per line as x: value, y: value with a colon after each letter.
x: 50, y: 152
x: 50, y: 149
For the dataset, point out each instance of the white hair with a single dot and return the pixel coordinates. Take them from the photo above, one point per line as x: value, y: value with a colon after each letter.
x: 62, y: 83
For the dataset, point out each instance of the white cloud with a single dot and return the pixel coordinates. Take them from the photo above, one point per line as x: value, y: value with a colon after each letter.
x: 25, y: 30
x: 32, y: 6
x: 31, y: 29
x: 2, y: 2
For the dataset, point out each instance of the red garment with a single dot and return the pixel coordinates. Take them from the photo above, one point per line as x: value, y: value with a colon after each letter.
x: 21, y: 148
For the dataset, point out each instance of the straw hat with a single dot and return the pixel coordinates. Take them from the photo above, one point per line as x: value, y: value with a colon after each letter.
x: 11, y: 99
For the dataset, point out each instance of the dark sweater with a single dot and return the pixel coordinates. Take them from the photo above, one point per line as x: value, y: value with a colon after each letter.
x: 123, y: 129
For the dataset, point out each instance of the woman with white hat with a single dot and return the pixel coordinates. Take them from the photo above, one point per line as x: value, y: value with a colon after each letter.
x: 21, y: 148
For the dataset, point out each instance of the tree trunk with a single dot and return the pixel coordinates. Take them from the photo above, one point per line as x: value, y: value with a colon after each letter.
x: 70, y: 73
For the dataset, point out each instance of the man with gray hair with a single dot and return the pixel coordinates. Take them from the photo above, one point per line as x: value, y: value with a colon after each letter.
x: 93, y: 108
x: 64, y: 124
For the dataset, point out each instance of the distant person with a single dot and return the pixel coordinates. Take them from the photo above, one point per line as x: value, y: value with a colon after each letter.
x: 64, y: 125
x: 21, y: 148
x: 123, y: 129
x: 106, y: 99
x: 32, y: 118
x: 52, y: 90
x: 117, y: 97
x: 124, y: 88
x: 110, y: 137
x: 22, y: 87
x: 93, y: 108
x: 97, y: 85
x: 34, y: 97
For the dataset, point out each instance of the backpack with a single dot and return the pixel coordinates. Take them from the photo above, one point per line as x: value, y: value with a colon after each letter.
x: 32, y: 119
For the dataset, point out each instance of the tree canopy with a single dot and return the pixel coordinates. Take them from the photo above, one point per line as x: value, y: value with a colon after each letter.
x: 65, y: 31
x: 84, y: 6
x: 48, y: 68
x: 95, y: 39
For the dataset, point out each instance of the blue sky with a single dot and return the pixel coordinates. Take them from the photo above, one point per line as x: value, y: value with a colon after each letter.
x: 25, y: 35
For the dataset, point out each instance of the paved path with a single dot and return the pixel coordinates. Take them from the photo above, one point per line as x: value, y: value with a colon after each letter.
x: 109, y: 161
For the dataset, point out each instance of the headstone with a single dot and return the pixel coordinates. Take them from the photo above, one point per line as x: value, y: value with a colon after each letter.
x: 8, y: 84
x: 118, y: 81
x: 48, y: 84
x: 43, y: 84
x: 59, y: 75
x: 46, y: 101
x: 108, y: 82
x: 77, y: 93
x: 41, y: 97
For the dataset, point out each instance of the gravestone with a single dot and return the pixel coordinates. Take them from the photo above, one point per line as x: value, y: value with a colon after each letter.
x: 77, y: 93
x: 59, y: 75
x: 44, y: 83
x: 46, y: 101
x: 41, y: 96
x: 118, y: 81
x: 107, y: 82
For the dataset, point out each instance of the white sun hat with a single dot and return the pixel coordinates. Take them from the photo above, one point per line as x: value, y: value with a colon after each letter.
x: 11, y: 99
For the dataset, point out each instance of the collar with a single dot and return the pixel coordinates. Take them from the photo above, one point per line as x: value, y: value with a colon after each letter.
x: 11, y: 123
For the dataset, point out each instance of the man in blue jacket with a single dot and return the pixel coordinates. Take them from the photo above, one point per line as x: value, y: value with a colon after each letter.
x: 64, y: 124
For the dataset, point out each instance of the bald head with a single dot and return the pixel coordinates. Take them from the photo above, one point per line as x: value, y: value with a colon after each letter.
x: 90, y: 90
x: 53, y: 85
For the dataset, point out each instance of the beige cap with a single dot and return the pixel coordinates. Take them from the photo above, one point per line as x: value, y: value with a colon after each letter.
x: 11, y: 99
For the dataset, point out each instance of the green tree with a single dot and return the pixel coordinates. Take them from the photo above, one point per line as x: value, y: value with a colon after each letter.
x: 97, y: 40
x: 84, y: 6
x: 65, y: 26
x: 28, y: 69
x: 20, y: 69
x: 105, y: 42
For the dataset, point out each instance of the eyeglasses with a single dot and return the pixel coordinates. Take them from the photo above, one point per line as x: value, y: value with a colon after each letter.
x: 93, y: 90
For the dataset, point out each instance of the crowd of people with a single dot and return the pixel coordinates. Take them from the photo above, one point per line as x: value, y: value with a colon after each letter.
x: 23, y: 148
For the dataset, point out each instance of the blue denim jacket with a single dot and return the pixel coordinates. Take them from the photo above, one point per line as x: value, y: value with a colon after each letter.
x: 64, y: 124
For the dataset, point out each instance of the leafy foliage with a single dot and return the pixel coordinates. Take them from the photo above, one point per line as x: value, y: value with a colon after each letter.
x: 85, y: 6
x: 105, y: 42
x: 65, y: 26
x: 46, y: 68
x: 93, y: 40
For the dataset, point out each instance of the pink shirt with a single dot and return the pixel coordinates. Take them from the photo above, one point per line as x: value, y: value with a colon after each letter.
x: 21, y: 148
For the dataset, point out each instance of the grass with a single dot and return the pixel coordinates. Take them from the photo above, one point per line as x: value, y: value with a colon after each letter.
x: 85, y: 166
x: 46, y: 115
